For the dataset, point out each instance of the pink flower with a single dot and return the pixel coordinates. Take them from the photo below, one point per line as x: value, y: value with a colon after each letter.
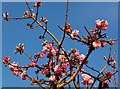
x: 81, y: 57
x: 14, y: 68
x: 33, y: 63
x: 54, y: 51
x: 6, y: 60
x: 96, y: 44
x: 76, y: 53
x: 64, y: 67
x: 103, y: 24
x: 38, y: 3
x: 16, y: 73
x: 23, y: 75
x: 57, y: 69
x: 111, y: 59
x: 86, y: 79
x: 75, y: 32
x: 26, y: 13
x: 111, y: 42
x: 105, y: 84
x: 103, y: 43
x: 108, y: 73
x: 45, y: 71
x: 47, y: 48
x: 33, y: 81
x: 39, y: 55
x: 52, y: 78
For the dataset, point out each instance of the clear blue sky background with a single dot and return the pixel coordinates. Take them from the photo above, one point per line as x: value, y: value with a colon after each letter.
x: 80, y: 15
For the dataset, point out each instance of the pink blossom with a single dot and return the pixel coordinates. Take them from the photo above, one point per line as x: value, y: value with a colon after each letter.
x: 52, y: 78
x: 105, y: 84
x: 54, y: 51
x: 111, y: 59
x: 86, y: 79
x: 76, y: 53
x: 64, y: 67
x: 47, y: 48
x: 51, y: 64
x: 111, y: 42
x: 6, y: 60
x: 75, y: 32
x: 33, y: 63
x: 39, y: 55
x: 14, y: 68
x: 96, y: 44
x: 37, y: 3
x: 57, y: 69
x: 103, y: 43
x: 23, y: 75
x: 45, y: 71
x: 16, y: 73
x: 90, y: 82
x: 108, y: 73
x: 103, y: 24
x: 81, y: 57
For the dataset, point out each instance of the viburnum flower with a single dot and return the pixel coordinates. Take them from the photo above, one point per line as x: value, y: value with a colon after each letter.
x: 33, y: 81
x: 43, y: 19
x: 52, y: 78
x: 47, y: 48
x: 81, y: 57
x: 103, y: 43
x: 33, y: 63
x: 75, y: 33
x: 57, y: 69
x: 76, y: 53
x: 6, y: 60
x: 45, y: 71
x: 86, y: 79
x: 64, y: 67
x: 108, y: 73
x: 111, y: 59
x: 111, y: 42
x: 105, y: 84
x: 13, y: 67
x: 23, y: 75
x: 103, y: 24
x: 96, y: 44
x: 26, y: 13
x: 39, y: 55
x: 38, y: 3
x: 54, y: 51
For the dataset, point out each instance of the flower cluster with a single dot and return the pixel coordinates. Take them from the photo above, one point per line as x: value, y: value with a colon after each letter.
x: 38, y: 3
x: 49, y: 48
x: 74, y: 34
x: 101, y: 24
x: 43, y: 19
x: 15, y: 69
x: 33, y: 63
x: 23, y: 75
x: 6, y: 60
x: 86, y: 79
x: 39, y: 55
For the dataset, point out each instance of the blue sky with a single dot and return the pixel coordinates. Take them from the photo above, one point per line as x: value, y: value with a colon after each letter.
x: 80, y: 15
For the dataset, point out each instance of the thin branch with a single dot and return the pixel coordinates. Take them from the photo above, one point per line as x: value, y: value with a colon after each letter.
x: 28, y: 7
